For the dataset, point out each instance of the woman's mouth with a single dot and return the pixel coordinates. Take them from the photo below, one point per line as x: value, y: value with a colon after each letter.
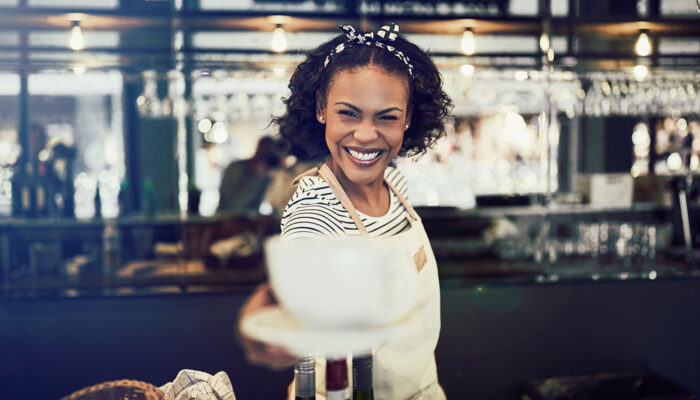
x: 363, y: 157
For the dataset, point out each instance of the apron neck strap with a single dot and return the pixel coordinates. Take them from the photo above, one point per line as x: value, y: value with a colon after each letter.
x: 411, y: 212
x: 330, y: 179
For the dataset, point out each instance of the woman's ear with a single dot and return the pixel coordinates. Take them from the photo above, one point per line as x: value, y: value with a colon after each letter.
x: 320, y: 108
x: 408, y: 121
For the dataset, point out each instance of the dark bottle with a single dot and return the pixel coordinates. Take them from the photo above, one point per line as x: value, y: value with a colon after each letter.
x: 98, y: 201
x: 362, y: 377
x: 29, y: 192
x: 68, y: 196
x: 194, y: 196
x: 149, y: 198
x: 305, y: 378
x: 63, y: 172
x: 111, y: 248
x: 18, y: 183
x: 124, y: 198
x: 337, y: 379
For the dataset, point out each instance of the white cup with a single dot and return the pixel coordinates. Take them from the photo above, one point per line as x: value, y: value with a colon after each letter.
x: 349, y: 283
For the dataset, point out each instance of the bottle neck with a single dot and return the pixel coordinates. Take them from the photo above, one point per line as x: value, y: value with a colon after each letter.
x: 305, y: 378
x: 336, y: 374
x: 362, y: 372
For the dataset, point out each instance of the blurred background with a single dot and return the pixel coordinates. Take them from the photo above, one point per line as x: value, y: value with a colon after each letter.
x: 139, y: 177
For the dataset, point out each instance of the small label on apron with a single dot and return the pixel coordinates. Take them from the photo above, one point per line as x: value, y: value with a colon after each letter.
x: 420, y: 258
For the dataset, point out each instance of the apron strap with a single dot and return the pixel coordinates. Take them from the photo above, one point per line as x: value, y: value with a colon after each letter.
x: 330, y: 179
x: 411, y: 212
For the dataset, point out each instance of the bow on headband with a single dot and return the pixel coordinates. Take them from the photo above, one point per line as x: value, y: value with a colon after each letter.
x: 382, y: 38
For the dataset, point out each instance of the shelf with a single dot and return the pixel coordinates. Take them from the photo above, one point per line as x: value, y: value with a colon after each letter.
x: 43, y: 20
x: 119, y: 20
x: 611, y: 29
x: 147, y: 29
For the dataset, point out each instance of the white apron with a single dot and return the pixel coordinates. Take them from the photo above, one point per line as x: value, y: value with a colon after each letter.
x: 404, y: 367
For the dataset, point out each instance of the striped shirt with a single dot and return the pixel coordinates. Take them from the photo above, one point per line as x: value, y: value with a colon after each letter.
x: 314, y: 210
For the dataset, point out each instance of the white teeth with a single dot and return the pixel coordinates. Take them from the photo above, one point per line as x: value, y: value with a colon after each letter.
x: 363, y: 156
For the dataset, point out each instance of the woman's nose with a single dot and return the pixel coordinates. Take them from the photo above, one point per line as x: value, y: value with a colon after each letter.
x: 366, y: 132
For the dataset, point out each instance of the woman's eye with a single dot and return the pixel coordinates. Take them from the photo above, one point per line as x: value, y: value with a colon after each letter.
x: 388, y: 117
x: 347, y: 113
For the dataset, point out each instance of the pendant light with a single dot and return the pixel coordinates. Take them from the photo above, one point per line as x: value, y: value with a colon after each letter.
x: 278, y: 44
x: 468, y: 42
x: 77, y: 41
x: 643, y: 45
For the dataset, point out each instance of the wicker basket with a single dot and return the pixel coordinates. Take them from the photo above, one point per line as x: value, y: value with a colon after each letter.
x: 124, y: 389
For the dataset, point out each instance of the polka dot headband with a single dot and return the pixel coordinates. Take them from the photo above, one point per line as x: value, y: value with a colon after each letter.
x: 382, y: 38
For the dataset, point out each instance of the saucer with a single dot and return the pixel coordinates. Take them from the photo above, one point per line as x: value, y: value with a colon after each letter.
x: 276, y: 326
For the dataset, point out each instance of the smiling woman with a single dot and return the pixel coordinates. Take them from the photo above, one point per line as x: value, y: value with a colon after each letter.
x: 358, y: 102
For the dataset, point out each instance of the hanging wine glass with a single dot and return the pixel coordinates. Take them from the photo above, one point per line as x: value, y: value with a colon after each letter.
x: 148, y: 103
x: 176, y: 93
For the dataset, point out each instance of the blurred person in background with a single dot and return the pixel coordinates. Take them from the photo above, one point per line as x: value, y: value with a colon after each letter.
x: 245, y: 182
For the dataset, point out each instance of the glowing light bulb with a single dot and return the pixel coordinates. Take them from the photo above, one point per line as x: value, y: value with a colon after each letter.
x: 643, y: 45
x: 77, y: 41
x: 468, y: 42
x: 278, y: 44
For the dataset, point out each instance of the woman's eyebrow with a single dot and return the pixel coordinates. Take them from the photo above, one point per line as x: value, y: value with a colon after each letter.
x: 349, y: 105
x: 384, y: 111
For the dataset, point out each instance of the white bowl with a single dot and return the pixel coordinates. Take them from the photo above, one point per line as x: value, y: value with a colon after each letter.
x: 349, y: 283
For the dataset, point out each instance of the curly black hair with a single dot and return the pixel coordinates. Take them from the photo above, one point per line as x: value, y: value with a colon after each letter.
x: 304, y: 136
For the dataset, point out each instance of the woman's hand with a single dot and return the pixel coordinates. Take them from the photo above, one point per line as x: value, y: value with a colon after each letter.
x: 257, y: 352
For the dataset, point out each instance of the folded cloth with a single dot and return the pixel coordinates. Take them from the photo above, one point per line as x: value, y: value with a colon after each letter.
x: 197, y: 385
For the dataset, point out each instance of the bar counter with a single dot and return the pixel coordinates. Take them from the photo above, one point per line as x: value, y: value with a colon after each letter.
x: 496, y: 334
x: 499, y: 330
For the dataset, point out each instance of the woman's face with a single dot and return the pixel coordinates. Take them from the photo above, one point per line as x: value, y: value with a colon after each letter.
x: 365, y: 116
